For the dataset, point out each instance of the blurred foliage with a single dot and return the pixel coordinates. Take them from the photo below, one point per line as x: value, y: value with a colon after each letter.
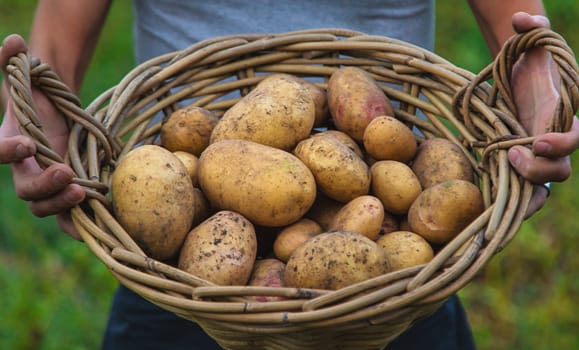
x: 56, y: 294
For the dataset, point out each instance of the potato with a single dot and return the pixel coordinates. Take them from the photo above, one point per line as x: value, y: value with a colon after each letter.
x: 222, y: 249
x: 152, y: 198
x: 267, y: 273
x: 442, y: 211
x: 188, y: 129
x: 279, y: 112
x: 294, y: 235
x: 390, y: 223
x: 345, y: 139
x: 387, y: 138
x: 405, y: 249
x: 269, y: 186
x: 354, y: 99
x: 395, y: 184
x: 363, y: 215
x: 340, y: 174
x: 190, y: 161
x: 201, y: 207
x: 318, y: 94
x: 333, y: 260
x: 438, y: 160
x: 323, y: 210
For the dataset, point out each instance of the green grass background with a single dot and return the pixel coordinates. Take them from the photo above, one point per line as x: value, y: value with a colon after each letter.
x: 55, y: 294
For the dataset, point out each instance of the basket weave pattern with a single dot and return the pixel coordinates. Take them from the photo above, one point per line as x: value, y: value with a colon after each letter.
x: 431, y: 94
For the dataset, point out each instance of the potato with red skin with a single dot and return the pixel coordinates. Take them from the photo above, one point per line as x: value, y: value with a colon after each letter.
x: 354, y: 99
x: 364, y: 215
x: 267, y: 273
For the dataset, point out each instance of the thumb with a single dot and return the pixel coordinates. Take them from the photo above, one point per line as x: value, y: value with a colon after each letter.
x: 523, y: 22
x: 12, y: 45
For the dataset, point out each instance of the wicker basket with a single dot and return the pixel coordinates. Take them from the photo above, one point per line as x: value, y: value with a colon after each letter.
x: 431, y: 94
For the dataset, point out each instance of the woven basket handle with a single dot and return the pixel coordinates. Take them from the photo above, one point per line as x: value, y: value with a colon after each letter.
x: 501, y: 70
x: 24, y: 72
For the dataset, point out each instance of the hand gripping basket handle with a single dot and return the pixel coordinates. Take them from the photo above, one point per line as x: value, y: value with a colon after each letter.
x: 501, y: 70
x: 24, y: 72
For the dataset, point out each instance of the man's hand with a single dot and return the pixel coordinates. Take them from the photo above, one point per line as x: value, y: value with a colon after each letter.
x: 535, y: 85
x: 49, y: 191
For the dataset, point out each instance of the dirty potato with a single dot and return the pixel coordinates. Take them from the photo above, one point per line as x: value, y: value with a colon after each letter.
x: 279, y: 112
x: 442, y: 211
x: 438, y: 160
x: 152, y: 198
x: 188, y: 129
x: 333, y: 260
x: 222, y: 249
x: 293, y: 236
x: 395, y: 184
x: 340, y: 174
x: 269, y: 186
x: 364, y: 215
x: 405, y: 249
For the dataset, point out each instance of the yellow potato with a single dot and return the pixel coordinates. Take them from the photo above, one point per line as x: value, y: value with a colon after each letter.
x: 269, y: 186
x: 340, y: 174
x: 188, y: 129
x: 294, y: 235
x: 405, y: 249
x: 345, y: 138
x: 387, y: 138
x: 333, y: 260
x: 354, y: 99
x: 318, y: 94
x: 152, y: 197
x: 222, y: 249
x: 442, y: 211
x: 363, y: 215
x: 201, y: 207
x: 279, y: 112
x: 267, y: 273
x: 438, y: 160
x: 395, y: 184
x: 190, y: 161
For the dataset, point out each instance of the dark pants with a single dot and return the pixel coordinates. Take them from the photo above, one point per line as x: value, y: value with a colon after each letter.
x: 135, y: 323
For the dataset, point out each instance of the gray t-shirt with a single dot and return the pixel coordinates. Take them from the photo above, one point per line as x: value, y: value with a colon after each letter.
x: 163, y: 26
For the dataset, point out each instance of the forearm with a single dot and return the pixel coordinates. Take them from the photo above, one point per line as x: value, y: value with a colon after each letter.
x: 494, y: 18
x: 64, y: 35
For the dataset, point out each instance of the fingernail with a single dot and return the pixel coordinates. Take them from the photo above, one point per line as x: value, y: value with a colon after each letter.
x: 515, y: 157
x: 542, y: 147
x: 60, y: 177
x: 23, y: 151
x: 73, y: 196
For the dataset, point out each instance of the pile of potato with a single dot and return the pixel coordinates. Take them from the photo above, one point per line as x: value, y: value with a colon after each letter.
x: 295, y: 186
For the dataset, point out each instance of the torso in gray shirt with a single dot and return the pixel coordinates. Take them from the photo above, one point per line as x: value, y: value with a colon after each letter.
x: 163, y: 26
